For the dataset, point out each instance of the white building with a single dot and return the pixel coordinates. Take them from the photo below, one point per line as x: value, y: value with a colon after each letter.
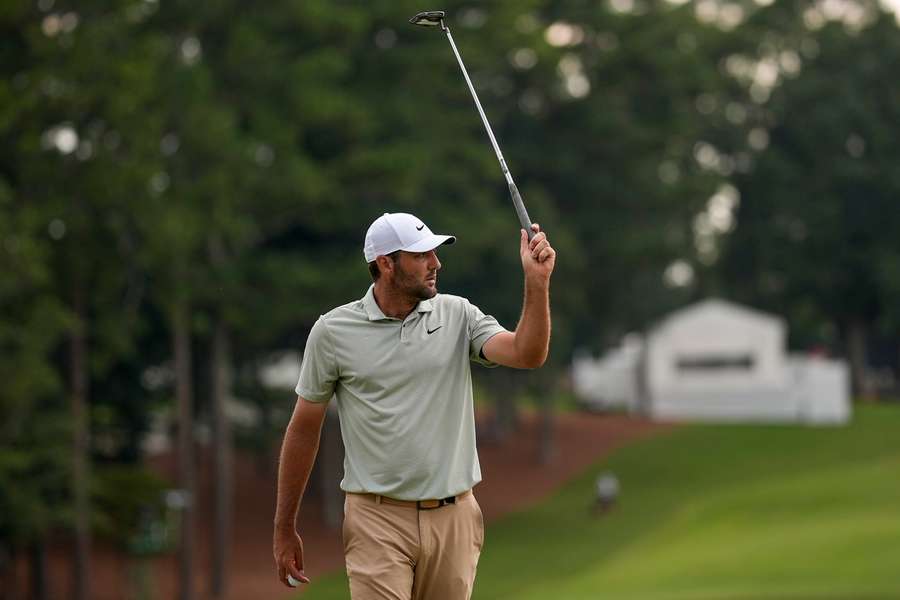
x: 610, y: 382
x: 716, y: 361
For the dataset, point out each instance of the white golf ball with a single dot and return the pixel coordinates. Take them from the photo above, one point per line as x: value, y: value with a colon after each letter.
x: 293, y: 582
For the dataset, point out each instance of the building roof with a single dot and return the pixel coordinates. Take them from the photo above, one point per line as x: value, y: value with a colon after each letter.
x: 717, y: 306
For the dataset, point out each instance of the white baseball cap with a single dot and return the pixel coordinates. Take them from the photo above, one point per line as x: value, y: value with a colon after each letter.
x: 400, y: 231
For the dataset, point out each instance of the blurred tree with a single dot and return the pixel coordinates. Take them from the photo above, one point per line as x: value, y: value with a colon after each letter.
x: 34, y: 454
x: 817, y: 225
x: 238, y: 183
x: 34, y: 431
x: 612, y: 110
x: 74, y: 154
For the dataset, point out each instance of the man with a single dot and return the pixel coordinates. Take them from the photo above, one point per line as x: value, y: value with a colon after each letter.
x: 397, y: 363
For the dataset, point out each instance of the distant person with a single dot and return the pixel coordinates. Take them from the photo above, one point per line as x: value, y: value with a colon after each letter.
x: 397, y: 362
x: 606, y: 490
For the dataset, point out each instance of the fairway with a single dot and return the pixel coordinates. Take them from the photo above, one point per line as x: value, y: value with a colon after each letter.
x: 714, y: 512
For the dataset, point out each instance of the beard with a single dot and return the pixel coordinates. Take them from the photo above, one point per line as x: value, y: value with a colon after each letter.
x: 408, y: 284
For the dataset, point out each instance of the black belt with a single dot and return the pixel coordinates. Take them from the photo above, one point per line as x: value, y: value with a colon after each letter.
x: 417, y: 504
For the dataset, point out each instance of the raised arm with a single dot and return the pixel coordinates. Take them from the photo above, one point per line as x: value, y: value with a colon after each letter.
x: 298, y: 453
x: 528, y: 345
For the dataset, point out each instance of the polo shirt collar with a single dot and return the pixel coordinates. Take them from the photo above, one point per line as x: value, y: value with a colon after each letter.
x: 374, y: 312
x: 425, y: 306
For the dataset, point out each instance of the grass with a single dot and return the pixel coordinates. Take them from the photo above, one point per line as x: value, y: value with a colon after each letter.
x: 713, y: 513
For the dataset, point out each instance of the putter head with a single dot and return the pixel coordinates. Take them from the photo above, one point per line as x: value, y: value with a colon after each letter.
x: 429, y: 18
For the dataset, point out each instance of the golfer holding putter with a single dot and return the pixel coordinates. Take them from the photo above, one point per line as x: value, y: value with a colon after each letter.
x: 397, y: 364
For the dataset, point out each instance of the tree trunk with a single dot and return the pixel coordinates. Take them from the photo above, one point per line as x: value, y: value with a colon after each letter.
x: 897, y: 376
x: 10, y: 573
x: 222, y: 497
x: 266, y: 462
x: 547, y: 447
x: 505, y: 388
x: 78, y: 375
x: 184, y: 398
x: 331, y: 468
x: 39, y: 570
x: 857, y: 351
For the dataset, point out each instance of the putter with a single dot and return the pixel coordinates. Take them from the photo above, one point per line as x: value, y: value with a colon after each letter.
x: 435, y: 18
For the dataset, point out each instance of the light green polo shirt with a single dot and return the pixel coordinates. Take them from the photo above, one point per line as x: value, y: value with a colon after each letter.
x: 403, y: 392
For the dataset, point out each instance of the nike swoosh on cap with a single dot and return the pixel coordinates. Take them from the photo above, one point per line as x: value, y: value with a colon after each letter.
x: 420, y: 227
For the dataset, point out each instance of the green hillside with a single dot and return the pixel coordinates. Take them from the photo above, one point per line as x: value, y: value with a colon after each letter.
x: 714, y: 512
x: 719, y: 512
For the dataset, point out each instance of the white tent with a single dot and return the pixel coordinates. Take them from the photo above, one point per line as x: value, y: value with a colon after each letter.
x: 717, y: 361
x: 610, y: 382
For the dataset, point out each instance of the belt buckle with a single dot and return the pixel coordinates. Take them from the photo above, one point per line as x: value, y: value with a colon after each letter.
x: 421, y: 504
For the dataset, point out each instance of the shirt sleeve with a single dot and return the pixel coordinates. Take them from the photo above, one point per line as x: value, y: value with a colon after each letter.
x: 318, y: 371
x: 482, y: 327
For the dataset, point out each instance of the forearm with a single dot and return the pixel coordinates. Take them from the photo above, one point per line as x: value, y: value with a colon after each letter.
x: 528, y: 346
x: 532, y: 336
x: 298, y: 453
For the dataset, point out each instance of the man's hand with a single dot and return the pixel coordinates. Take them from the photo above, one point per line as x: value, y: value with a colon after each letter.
x: 298, y: 452
x: 288, y: 548
x: 538, y: 256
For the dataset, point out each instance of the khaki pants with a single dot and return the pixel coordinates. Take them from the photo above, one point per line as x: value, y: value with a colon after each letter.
x: 406, y: 553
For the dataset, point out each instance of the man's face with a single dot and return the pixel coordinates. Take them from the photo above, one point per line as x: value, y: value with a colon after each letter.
x: 415, y: 274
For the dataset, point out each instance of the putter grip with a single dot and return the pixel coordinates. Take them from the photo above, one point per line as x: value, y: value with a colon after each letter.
x: 524, y: 220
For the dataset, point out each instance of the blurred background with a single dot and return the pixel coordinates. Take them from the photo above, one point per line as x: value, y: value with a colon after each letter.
x: 185, y: 186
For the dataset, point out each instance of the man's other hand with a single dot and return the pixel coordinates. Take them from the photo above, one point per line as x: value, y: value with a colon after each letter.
x: 288, y: 549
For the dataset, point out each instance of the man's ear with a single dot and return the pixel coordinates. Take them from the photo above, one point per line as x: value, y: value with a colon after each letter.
x: 385, y: 264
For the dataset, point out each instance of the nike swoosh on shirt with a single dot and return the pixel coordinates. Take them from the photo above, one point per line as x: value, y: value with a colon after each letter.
x: 433, y: 330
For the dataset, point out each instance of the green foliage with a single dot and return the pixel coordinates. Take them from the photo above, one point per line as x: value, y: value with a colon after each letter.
x: 817, y: 226
x: 73, y: 153
x: 33, y: 472
x: 130, y: 508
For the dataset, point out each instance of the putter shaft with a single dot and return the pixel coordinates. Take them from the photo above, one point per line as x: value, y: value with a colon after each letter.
x: 524, y: 219
x: 484, y: 119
